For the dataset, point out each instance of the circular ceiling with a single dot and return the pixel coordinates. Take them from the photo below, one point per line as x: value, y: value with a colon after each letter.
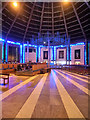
x: 26, y: 20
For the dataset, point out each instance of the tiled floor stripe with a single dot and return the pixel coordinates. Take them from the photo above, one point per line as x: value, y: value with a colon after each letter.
x: 12, y: 90
x: 28, y: 108
x: 75, y: 77
x: 75, y: 83
x: 71, y: 108
x: 77, y: 74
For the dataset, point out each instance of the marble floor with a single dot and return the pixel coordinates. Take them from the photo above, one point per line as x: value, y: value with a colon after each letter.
x: 59, y: 95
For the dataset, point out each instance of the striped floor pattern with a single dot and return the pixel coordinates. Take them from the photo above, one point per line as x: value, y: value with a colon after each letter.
x: 59, y: 94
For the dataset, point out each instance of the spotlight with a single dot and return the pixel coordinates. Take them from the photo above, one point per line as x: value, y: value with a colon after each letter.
x: 66, y: 1
x: 15, y: 4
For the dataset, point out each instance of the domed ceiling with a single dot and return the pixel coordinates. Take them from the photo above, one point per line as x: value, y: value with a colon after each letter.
x: 29, y: 19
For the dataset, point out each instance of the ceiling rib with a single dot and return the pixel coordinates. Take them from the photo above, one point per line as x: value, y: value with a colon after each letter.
x: 64, y: 20
x: 79, y: 21
x: 3, y: 7
x: 29, y: 21
x: 42, y: 17
x: 13, y: 23
x: 87, y: 4
x: 52, y: 20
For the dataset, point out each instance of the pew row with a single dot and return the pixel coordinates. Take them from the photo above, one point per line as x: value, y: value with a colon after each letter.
x: 7, y: 68
x: 80, y: 69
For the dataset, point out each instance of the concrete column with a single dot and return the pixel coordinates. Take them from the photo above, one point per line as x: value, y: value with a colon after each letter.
x: 23, y: 53
x: 67, y: 56
x: 69, y: 50
x: 37, y: 60
x: 21, y: 56
x: 3, y: 52
x: 89, y: 53
x: 48, y: 49
x: 6, y: 51
x: 1, y: 45
x: 53, y: 54
x: 48, y: 52
x: 27, y: 51
x: 39, y: 54
x: 38, y: 47
x: 16, y: 54
x: 86, y: 53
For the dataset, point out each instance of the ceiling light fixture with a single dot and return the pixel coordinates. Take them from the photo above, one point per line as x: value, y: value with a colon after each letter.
x: 65, y: 1
x: 15, y: 4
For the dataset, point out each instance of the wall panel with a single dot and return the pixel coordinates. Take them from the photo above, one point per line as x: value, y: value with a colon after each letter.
x: 13, y: 53
x: 77, y: 60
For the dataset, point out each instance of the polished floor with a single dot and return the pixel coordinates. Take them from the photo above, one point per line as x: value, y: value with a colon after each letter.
x: 59, y: 95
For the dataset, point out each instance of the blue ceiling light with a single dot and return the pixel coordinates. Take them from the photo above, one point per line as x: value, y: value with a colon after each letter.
x: 25, y: 44
x: 8, y: 41
x: 82, y: 43
x: 62, y: 46
x: 2, y: 40
x: 33, y: 45
x: 41, y: 45
x: 11, y: 42
x: 30, y: 45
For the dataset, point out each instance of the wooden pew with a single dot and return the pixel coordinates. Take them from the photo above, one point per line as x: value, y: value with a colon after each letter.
x: 4, y: 77
x: 80, y: 69
x: 7, y: 68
